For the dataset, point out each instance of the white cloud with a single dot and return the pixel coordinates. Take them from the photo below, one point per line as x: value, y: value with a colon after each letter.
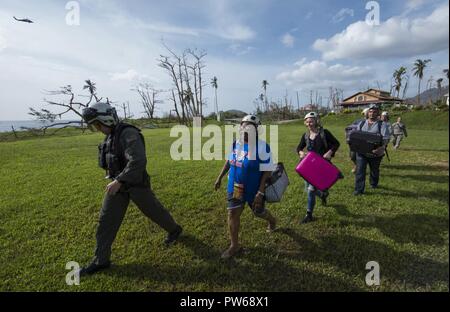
x: 318, y: 74
x: 165, y: 28
x: 119, y: 19
x: 2, y: 41
x: 239, y: 50
x: 342, y: 14
x: 288, y: 40
x: 396, y: 37
x: 129, y: 75
x: 234, y: 32
x: 414, y: 4
x: 227, y: 22
x: 223, y: 22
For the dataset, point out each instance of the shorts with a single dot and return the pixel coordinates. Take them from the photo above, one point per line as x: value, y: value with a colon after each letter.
x: 234, y: 203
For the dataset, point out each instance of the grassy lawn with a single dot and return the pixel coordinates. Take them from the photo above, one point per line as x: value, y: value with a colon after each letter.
x: 51, y: 192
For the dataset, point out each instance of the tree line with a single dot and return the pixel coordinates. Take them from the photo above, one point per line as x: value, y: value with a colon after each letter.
x: 401, y: 79
x: 186, y: 94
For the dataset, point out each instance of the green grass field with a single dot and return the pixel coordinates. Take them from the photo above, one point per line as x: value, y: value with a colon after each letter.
x: 51, y: 192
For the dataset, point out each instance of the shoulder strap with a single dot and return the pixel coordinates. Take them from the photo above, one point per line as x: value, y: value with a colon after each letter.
x: 118, y: 131
x: 324, y: 139
x: 361, y: 125
x: 307, y: 140
x: 380, y: 123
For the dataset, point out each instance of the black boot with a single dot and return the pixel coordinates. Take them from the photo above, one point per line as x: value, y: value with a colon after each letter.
x: 94, y: 268
x: 308, y: 218
x: 324, y: 197
x: 172, y: 237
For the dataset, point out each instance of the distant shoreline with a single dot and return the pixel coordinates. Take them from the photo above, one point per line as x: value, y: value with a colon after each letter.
x: 5, y: 125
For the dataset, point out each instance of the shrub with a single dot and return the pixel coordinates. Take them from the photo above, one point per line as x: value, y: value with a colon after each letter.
x: 400, y: 109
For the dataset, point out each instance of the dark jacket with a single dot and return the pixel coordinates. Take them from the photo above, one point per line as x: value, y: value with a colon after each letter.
x: 317, y: 145
x: 124, y: 154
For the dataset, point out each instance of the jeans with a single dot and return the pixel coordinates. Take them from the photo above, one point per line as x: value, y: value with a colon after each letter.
x: 397, y: 139
x: 361, y: 165
x: 312, y: 193
x: 353, y: 157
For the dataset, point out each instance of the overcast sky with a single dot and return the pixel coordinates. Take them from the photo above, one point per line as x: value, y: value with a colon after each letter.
x: 294, y: 45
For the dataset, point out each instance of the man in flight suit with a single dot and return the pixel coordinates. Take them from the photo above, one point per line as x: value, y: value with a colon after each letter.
x: 122, y: 155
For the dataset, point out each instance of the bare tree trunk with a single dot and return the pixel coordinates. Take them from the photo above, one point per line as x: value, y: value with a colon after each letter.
x: 199, y: 65
x: 176, y: 106
x: 190, y: 96
x: 200, y: 100
x: 14, y: 131
x: 197, y: 103
x: 405, y: 88
x: 216, y: 106
x: 418, y: 93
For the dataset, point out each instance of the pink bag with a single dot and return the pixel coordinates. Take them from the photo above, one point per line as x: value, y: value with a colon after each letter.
x: 317, y: 171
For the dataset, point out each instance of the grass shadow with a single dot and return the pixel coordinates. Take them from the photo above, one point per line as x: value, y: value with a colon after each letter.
x: 341, y: 209
x: 440, y: 195
x: 350, y: 254
x: 406, y: 228
x: 424, y: 149
x: 416, y: 167
x: 421, y: 178
x: 257, y: 269
x: 201, y: 250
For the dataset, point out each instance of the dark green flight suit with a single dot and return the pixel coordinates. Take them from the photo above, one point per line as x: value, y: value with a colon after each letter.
x: 126, y: 161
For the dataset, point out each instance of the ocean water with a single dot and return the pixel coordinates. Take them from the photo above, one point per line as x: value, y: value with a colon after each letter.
x: 5, y: 125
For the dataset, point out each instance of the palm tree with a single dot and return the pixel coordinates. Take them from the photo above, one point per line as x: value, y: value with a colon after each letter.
x: 430, y: 83
x: 90, y: 85
x: 398, y: 77
x: 419, y: 67
x: 405, y: 87
x: 216, y: 107
x: 265, y: 83
x: 439, y: 85
x: 445, y: 71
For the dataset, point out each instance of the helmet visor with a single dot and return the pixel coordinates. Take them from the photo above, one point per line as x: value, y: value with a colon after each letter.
x: 89, y: 114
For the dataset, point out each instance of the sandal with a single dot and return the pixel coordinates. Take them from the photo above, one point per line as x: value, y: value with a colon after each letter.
x: 230, y: 252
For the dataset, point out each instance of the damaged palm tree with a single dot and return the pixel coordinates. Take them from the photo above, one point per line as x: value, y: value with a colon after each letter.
x: 70, y: 105
x: 149, y: 98
x: 186, y: 72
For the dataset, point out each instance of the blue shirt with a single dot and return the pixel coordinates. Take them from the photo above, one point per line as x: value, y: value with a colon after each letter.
x: 247, y: 167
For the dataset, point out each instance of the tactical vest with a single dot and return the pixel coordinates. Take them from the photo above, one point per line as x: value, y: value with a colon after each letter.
x: 111, y: 156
